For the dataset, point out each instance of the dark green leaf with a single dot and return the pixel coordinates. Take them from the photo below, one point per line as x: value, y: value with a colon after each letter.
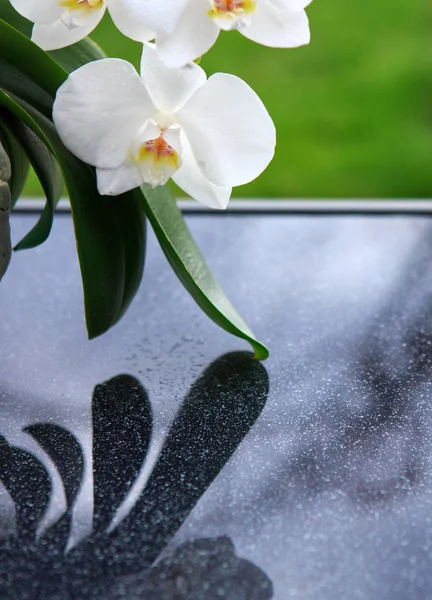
x: 10, y: 15
x: 79, y: 54
x: 109, y: 231
x: 132, y: 222
x: 190, y: 267
x: 48, y: 173
x: 69, y: 58
x: 22, y: 63
x: 31, y: 61
x: 35, y: 143
x: 11, y: 105
x: 111, y: 268
x: 15, y: 82
x: 110, y: 234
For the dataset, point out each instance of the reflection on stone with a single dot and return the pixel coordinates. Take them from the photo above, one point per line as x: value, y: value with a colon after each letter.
x: 217, y: 413
x: 205, y: 569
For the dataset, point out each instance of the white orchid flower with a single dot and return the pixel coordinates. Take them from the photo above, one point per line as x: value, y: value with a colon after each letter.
x: 191, y: 27
x: 60, y: 23
x: 208, y: 135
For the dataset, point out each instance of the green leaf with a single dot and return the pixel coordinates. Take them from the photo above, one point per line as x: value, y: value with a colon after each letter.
x: 71, y: 57
x: 78, y: 54
x: 131, y: 220
x: 110, y: 235
x: 111, y: 257
x: 109, y: 231
x: 46, y: 169
x: 35, y: 144
x: 51, y: 180
x: 47, y: 71
x: 10, y: 15
x: 18, y: 160
x: 15, y: 82
x: 17, y: 51
x: 189, y: 265
x: 15, y: 108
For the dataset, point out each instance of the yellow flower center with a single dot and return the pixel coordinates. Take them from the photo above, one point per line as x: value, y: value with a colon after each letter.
x: 222, y: 8
x: 159, y: 151
x: 232, y: 14
x: 80, y: 4
x: 157, y: 161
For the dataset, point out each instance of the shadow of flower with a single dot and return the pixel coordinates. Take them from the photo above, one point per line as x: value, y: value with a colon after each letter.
x: 371, y: 453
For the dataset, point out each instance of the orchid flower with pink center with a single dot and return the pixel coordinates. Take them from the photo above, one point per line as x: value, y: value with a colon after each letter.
x: 208, y: 135
x: 60, y: 23
x: 189, y: 28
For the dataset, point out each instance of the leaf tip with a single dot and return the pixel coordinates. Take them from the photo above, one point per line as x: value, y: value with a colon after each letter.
x: 261, y: 352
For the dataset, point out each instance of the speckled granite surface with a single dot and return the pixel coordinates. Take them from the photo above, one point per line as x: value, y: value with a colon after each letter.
x: 213, y: 476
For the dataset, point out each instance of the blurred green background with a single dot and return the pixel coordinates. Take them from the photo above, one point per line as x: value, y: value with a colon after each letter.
x: 353, y: 110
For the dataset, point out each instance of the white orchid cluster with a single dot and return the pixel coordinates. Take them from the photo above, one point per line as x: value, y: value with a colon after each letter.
x: 208, y: 135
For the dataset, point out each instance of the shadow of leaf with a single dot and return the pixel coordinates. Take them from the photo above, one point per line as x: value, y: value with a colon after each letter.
x: 217, y: 413
x: 29, y: 485
x: 122, y: 425
x: 65, y: 451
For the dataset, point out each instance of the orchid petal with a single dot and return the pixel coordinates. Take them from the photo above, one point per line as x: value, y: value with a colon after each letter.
x: 277, y: 27
x: 289, y: 5
x: 169, y: 88
x: 57, y: 35
x: 229, y: 129
x: 173, y: 137
x: 149, y: 131
x: 194, y: 35
x: 38, y: 11
x: 161, y: 16
x: 192, y: 181
x: 99, y: 110
x: 128, y: 21
x: 276, y: 23
x: 113, y: 182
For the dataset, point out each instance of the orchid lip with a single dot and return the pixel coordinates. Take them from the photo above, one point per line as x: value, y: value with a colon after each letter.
x: 232, y: 14
x: 155, y: 158
x: 77, y: 8
x: 158, y: 149
x: 80, y: 4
